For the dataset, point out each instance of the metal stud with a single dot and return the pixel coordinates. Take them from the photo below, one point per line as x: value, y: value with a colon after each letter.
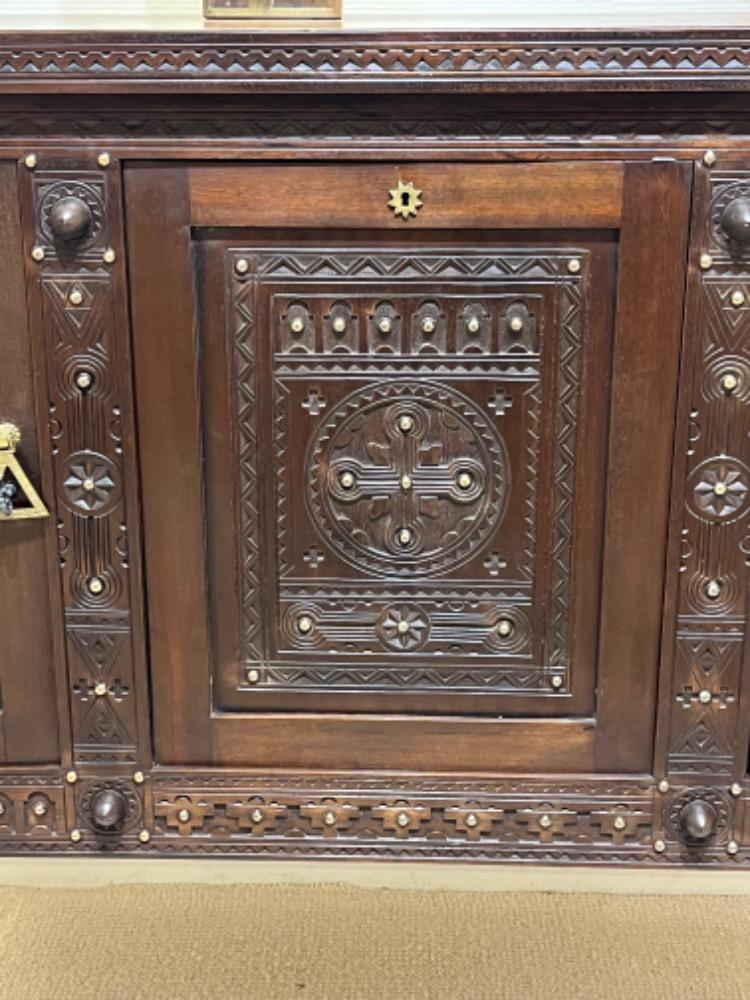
x: 2, y: 809
x: 30, y: 161
x: 384, y: 324
x: 347, y: 480
x: 704, y: 697
x: 428, y: 325
x: 464, y: 481
x: 242, y: 266
x: 75, y: 836
x: 37, y: 254
x: 574, y: 266
x: 473, y: 325
x: 737, y: 298
x: 472, y: 820
x: 104, y: 160
x: 403, y: 627
x: 339, y: 324
x: 545, y: 822
x: 405, y: 536
x: 729, y: 382
x: 516, y: 324
x: 736, y: 789
x: 100, y: 690
x: 89, y: 484
x: 619, y: 823
x: 84, y: 380
x: 95, y: 585
x: 713, y: 589
x: 253, y: 676
x: 183, y: 815
x: 556, y: 681
x: 71, y: 777
x: 304, y: 624
x: 505, y: 627
x: 257, y: 815
x: 109, y: 256
x: 402, y: 819
x: 406, y: 483
x: 297, y: 325
x: 330, y: 819
x: 706, y: 261
x: 663, y: 786
x: 733, y: 847
x: 405, y: 423
x: 659, y: 846
x: 144, y: 836
x: 709, y: 157
x: 40, y: 809
x: 139, y: 777
x: 76, y: 297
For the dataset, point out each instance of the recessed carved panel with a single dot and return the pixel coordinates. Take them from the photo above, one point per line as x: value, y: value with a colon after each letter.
x: 424, y: 524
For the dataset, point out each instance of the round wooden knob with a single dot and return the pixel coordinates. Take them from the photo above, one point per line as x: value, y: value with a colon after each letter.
x: 108, y: 809
x: 735, y: 220
x: 70, y: 219
x: 698, y: 819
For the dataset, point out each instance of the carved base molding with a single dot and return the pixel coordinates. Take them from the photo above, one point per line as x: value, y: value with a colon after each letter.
x: 587, y: 820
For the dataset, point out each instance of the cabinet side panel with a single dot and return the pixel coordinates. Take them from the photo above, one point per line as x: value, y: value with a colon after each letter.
x: 27, y: 685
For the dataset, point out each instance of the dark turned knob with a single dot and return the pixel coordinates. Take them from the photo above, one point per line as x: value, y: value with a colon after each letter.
x: 735, y: 220
x: 70, y: 219
x: 108, y: 809
x: 698, y: 819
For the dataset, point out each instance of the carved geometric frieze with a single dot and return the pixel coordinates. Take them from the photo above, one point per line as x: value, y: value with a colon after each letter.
x: 412, y: 817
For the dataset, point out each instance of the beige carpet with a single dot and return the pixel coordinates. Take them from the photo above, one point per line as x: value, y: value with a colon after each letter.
x: 276, y: 942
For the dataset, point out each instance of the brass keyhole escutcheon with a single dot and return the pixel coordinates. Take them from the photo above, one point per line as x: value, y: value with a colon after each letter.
x: 406, y: 200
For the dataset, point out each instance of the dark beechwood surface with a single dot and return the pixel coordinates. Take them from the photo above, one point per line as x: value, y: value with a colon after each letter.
x: 268, y: 615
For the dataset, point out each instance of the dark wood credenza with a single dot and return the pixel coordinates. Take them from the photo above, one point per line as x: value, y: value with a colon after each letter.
x: 389, y: 398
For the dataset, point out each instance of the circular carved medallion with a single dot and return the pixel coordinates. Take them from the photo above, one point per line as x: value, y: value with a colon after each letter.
x: 718, y: 489
x: 91, y: 482
x: 407, y: 478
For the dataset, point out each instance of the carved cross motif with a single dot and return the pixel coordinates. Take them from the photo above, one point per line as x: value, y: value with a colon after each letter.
x: 494, y: 563
x: 500, y: 402
x: 408, y: 480
x: 313, y: 557
x: 84, y: 689
x: 314, y: 404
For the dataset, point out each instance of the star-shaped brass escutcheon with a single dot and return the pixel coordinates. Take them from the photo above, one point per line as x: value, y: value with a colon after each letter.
x: 406, y: 200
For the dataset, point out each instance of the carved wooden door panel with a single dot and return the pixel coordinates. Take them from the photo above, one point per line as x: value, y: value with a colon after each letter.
x: 405, y: 467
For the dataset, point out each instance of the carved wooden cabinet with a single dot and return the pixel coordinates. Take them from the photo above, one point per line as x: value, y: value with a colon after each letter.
x: 393, y: 446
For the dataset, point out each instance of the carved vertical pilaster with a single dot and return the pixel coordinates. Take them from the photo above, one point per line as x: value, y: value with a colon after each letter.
x: 703, y: 747
x: 79, y: 318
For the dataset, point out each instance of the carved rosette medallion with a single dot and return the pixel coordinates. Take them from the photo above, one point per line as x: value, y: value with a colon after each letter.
x: 407, y: 478
x: 92, y: 483
x: 720, y: 489
x: 403, y: 628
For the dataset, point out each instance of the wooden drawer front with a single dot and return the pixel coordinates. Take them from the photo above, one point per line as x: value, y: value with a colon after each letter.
x: 404, y: 537
x: 513, y: 196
